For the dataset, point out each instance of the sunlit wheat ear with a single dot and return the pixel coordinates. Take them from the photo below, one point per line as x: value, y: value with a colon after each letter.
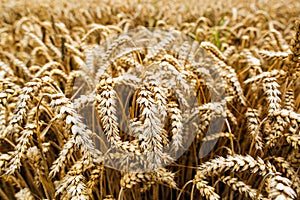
x: 288, y: 115
x: 280, y: 188
x: 279, y: 40
x: 292, y: 134
x: 153, y: 136
x: 130, y: 179
x: 289, y: 100
x: 38, y: 53
x: 293, y: 58
x: 239, y: 163
x: 205, y: 189
x: 106, y: 98
x: 80, y: 136
x: 277, y: 131
x: 95, y: 177
x: 176, y: 127
x: 25, y: 140
x: 160, y: 97
x: 98, y: 28
x: 212, y: 49
x: 293, y: 158
x: 36, y: 160
x: 241, y: 187
x: 129, y: 63
x: 128, y: 80
x: 47, y: 67
x: 203, y: 75
x: 283, y: 118
x: 57, y: 75
x: 286, y: 168
x: 146, y: 187
x: 228, y: 52
x: 4, y: 67
x: 161, y: 176
x: 20, y: 23
x: 272, y: 55
x: 271, y: 89
x: 24, y: 194
x: 34, y: 69
x: 293, y: 140
x: 263, y: 75
x: 207, y: 112
x: 206, y: 117
x: 169, y: 64
x: 253, y: 123
x: 68, y: 41
x: 106, y: 102
x: 253, y: 62
x: 73, y: 186
x: 21, y: 148
x: 24, y: 99
x: 8, y: 99
x: 19, y: 65
x: 233, y: 87
x: 176, y: 63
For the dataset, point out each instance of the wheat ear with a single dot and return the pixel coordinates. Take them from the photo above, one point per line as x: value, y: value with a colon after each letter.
x: 253, y: 123
x: 241, y: 187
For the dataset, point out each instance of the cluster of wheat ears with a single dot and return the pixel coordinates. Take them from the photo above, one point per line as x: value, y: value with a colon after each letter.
x: 53, y: 52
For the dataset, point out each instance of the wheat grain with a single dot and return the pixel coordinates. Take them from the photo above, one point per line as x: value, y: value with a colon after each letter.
x: 205, y: 190
x: 152, y: 137
x: 287, y: 169
x: 73, y: 186
x: 226, y: 72
x: 236, y: 163
x: 280, y: 188
x: 176, y: 125
x: 289, y: 100
x: 47, y: 67
x: 80, y: 135
x: 271, y: 88
x: 253, y: 123
x: 6, y: 69
x: 235, y: 184
x: 212, y: 49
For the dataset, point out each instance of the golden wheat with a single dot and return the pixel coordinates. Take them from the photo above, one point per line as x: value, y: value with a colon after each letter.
x: 57, y: 60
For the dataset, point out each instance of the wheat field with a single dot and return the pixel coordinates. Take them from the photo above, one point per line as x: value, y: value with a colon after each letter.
x: 204, y: 104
